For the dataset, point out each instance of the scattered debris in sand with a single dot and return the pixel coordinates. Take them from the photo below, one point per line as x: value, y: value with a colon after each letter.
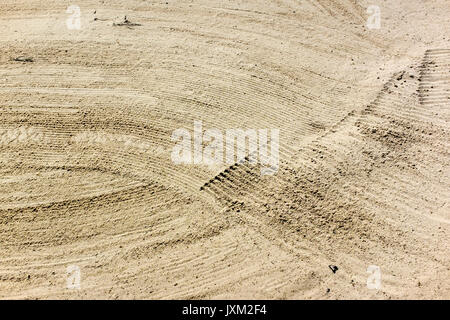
x: 126, y: 23
x: 23, y: 59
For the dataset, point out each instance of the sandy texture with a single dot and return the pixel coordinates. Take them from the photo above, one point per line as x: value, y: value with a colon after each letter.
x: 87, y: 179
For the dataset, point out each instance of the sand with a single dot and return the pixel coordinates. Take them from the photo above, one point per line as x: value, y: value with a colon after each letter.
x: 87, y: 178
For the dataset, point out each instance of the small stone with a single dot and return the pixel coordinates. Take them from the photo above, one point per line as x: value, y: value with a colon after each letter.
x: 333, y: 268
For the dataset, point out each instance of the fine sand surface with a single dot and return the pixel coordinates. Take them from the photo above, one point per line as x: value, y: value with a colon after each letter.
x: 86, y: 118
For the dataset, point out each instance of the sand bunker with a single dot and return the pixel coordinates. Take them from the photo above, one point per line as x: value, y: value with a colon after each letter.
x: 92, y: 205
